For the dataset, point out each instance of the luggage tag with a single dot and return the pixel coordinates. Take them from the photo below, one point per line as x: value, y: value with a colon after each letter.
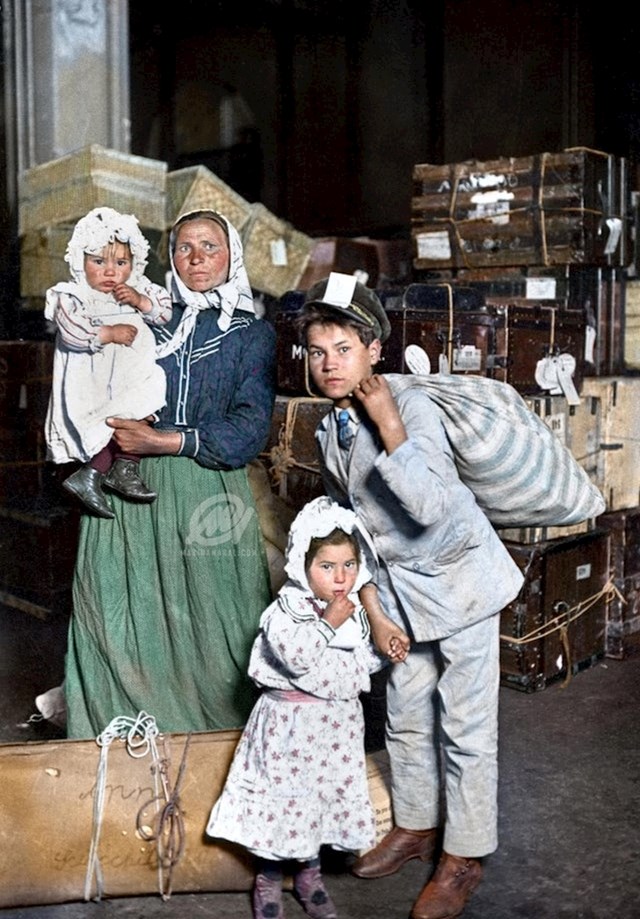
x: 279, y: 253
x: 417, y: 360
x: 555, y: 374
x: 614, y: 226
x: 467, y: 359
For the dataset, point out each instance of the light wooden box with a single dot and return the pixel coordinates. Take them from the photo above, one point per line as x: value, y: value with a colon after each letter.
x: 619, y: 455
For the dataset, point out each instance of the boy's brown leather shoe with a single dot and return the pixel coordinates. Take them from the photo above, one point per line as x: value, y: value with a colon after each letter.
x: 391, y: 853
x: 446, y: 894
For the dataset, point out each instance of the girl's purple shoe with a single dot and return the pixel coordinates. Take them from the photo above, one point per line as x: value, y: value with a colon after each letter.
x: 312, y: 894
x: 267, y: 898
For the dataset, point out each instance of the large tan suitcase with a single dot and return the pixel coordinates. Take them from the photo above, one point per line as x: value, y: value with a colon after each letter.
x: 55, y: 814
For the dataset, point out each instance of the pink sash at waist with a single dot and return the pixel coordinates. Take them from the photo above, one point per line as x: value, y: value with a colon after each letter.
x: 292, y: 695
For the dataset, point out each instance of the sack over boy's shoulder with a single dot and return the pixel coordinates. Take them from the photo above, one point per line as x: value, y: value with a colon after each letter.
x: 519, y: 471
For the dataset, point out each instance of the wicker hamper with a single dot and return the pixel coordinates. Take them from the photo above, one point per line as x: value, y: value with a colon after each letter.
x: 275, y: 254
x: 65, y: 189
x: 197, y: 187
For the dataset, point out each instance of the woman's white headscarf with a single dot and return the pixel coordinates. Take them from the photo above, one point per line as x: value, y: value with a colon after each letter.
x: 235, y: 293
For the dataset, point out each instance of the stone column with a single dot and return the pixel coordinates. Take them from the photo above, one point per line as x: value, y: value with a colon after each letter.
x: 66, y: 80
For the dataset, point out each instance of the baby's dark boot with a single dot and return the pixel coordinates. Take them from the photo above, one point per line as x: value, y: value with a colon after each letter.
x: 123, y: 478
x: 86, y: 484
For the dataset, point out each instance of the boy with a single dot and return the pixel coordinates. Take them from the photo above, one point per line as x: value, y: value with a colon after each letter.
x: 444, y: 576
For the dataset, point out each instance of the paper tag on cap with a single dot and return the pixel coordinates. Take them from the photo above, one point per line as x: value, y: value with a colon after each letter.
x: 340, y: 289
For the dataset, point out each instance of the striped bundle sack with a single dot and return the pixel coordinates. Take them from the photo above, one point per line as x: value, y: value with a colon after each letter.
x: 519, y: 471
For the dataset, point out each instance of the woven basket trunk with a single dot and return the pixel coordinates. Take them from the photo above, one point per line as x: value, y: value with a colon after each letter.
x: 275, y: 254
x: 65, y: 189
x: 195, y: 188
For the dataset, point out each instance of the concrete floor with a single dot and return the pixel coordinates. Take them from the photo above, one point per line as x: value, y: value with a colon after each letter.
x: 569, y: 801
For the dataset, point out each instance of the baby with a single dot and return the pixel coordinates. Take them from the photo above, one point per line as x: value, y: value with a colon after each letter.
x: 104, y: 361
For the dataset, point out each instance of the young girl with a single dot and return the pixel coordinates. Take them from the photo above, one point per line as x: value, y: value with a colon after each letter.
x: 298, y: 777
x: 104, y: 361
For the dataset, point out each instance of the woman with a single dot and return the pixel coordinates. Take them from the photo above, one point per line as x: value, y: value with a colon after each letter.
x: 168, y: 596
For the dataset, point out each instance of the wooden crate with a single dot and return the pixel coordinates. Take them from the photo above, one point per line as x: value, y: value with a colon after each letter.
x: 195, y: 188
x: 622, y: 633
x: 555, y: 626
x: 568, y: 207
x: 632, y: 325
x: 619, y: 455
x: 291, y: 455
x: 65, y: 189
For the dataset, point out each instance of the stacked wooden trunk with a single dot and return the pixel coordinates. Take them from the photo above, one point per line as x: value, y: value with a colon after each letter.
x: 38, y: 526
x: 547, y: 240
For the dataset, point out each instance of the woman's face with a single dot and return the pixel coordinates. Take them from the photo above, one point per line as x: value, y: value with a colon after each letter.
x: 201, y: 254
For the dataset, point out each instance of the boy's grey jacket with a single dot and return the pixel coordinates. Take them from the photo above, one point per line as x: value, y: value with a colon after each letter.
x: 442, y: 564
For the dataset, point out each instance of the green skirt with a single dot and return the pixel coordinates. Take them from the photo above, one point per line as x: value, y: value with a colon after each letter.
x: 167, y: 598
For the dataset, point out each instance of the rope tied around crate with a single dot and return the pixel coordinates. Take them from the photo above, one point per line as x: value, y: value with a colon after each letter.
x: 563, y: 620
x: 140, y: 736
x: 281, y: 456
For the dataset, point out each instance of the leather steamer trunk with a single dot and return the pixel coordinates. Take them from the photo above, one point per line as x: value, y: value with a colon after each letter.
x: 570, y: 207
x: 344, y: 254
x: 502, y: 341
x: 292, y: 367
x: 449, y: 323
x: 622, y: 634
x: 601, y: 292
x: 555, y: 626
